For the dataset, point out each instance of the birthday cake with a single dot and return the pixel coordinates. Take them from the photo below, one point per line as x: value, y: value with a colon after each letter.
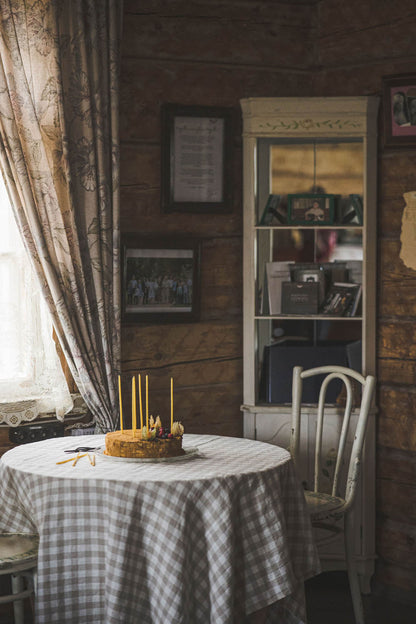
x: 156, y: 442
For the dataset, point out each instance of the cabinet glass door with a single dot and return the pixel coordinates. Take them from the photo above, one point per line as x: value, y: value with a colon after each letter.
x: 309, y: 224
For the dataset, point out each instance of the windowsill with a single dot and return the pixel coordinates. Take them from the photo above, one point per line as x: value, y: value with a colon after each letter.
x: 79, y: 413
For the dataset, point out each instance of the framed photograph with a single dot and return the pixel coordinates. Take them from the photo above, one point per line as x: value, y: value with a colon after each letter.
x: 399, y: 103
x: 310, y: 209
x: 312, y: 273
x: 350, y: 210
x: 196, y: 159
x: 160, y: 279
x: 273, y: 211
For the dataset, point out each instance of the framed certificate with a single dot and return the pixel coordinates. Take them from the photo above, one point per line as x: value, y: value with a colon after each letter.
x: 196, y: 159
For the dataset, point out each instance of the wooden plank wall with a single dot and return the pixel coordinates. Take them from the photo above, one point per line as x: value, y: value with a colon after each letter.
x: 359, y: 42
x: 203, y: 52
x: 214, y: 53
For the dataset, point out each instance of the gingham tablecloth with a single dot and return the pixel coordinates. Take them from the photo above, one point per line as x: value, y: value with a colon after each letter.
x: 205, y: 540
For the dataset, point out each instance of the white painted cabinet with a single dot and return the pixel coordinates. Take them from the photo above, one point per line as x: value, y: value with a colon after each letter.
x: 309, y: 269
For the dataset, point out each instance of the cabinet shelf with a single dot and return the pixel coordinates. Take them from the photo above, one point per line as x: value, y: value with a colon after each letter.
x: 358, y: 228
x: 309, y: 317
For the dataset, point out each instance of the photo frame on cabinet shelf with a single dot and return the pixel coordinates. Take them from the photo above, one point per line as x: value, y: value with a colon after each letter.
x: 350, y: 210
x: 312, y: 274
x: 310, y: 209
x: 197, y: 162
x: 160, y: 279
x: 399, y: 104
x: 274, y: 213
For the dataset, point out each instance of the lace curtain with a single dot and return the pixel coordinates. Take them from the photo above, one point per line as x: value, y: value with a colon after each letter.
x: 31, y: 378
x: 59, y: 64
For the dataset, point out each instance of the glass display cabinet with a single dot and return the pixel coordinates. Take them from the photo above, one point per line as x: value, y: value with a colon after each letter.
x: 309, y: 268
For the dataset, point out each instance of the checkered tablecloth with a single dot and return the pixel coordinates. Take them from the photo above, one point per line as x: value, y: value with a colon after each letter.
x: 204, y: 540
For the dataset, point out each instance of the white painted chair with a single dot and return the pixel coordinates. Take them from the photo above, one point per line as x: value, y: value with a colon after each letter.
x: 327, y: 505
x: 18, y: 557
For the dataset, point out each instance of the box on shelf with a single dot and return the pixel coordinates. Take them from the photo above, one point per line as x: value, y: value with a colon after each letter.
x: 300, y: 297
x: 278, y: 362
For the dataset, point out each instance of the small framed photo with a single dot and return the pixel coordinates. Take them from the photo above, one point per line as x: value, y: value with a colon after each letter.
x: 314, y: 274
x: 160, y: 279
x: 197, y: 167
x: 310, y: 209
x: 399, y: 104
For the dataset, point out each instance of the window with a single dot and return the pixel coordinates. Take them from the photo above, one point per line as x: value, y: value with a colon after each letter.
x: 31, y: 377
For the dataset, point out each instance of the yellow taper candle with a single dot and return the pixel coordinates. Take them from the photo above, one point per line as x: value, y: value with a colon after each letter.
x: 171, y: 404
x: 147, y: 406
x: 133, y: 405
x: 140, y: 402
x: 121, y: 404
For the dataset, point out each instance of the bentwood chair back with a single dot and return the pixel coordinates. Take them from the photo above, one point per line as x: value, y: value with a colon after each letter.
x: 336, y: 502
x: 18, y: 558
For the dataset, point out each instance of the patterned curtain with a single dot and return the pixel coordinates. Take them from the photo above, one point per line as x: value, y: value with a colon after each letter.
x: 59, y: 64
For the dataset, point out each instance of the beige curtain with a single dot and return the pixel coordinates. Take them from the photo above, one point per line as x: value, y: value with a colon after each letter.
x: 59, y: 156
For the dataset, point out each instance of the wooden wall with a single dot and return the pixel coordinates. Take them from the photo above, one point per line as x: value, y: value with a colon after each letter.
x: 359, y: 43
x: 214, y: 53
x: 199, y: 53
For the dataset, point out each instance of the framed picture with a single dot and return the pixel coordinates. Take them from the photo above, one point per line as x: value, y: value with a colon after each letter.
x: 160, y: 279
x: 311, y: 273
x: 399, y: 103
x: 350, y: 210
x: 196, y: 159
x: 310, y: 209
x: 273, y: 211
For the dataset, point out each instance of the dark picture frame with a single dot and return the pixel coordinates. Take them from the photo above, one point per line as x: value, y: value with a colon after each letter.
x: 197, y: 159
x: 160, y: 279
x: 399, y: 107
x: 313, y: 273
x: 310, y: 209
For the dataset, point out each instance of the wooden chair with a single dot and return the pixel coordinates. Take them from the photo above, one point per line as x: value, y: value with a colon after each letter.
x: 337, y: 502
x: 18, y: 557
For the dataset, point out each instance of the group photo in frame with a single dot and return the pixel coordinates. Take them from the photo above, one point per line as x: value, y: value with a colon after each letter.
x: 399, y: 103
x: 160, y: 279
x: 196, y: 159
x: 310, y: 209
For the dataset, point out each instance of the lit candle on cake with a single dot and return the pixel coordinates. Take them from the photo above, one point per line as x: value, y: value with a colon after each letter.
x: 171, y: 404
x: 140, y: 402
x: 147, y: 406
x: 121, y: 404
x: 133, y: 404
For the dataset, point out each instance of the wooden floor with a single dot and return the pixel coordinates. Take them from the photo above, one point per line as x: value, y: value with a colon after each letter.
x: 328, y: 602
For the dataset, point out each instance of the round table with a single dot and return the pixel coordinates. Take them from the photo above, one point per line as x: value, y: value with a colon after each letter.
x: 210, y: 538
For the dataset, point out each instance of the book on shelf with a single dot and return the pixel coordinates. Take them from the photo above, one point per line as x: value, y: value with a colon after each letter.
x: 273, y: 210
x: 264, y: 296
x: 276, y: 274
x: 353, y: 307
x: 355, y: 271
x: 342, y: 299
x: 300, y: 298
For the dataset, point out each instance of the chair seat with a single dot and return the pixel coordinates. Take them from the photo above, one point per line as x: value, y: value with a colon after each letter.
x: 323, y: 506
x: 18, y: 549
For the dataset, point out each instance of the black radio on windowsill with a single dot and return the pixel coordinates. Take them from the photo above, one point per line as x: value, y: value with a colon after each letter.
x: 34, y: 432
